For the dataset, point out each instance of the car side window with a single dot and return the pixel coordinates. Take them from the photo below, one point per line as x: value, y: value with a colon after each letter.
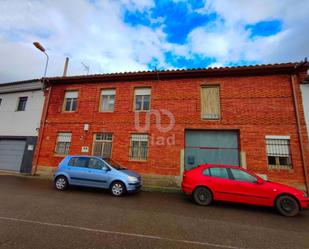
x: 219, y: 172
x: 79, y: 162
x: 206, y: 172
x: 95, y: 163
x: 240, y: 175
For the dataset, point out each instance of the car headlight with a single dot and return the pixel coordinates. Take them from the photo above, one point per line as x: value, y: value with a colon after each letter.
x: 132, y: 179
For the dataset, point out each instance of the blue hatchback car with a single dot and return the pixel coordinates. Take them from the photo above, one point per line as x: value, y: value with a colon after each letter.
x: 91, y: 171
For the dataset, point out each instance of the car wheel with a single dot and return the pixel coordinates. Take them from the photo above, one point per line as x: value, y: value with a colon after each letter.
x: 287, y: 205
x: 117, y: 189
x: 202, y: 196
x: 61, y: 183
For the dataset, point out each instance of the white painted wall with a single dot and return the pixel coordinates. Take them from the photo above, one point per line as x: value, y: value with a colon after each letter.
x: 21, y: 123
x: 305, y: 96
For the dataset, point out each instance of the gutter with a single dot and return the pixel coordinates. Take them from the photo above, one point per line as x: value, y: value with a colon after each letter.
x: 42, y: 126
x: 293, y: 80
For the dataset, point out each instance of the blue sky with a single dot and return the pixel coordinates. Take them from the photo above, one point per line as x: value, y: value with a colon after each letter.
x: 132, y: 35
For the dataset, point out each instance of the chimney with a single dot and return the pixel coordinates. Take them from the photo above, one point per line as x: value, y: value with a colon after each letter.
x: 66, y: 64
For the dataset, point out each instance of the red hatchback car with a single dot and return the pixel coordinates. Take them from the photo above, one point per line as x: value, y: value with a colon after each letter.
x: 230, y: 183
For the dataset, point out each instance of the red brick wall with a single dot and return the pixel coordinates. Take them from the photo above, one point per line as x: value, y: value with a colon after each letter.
x: 254, y: 105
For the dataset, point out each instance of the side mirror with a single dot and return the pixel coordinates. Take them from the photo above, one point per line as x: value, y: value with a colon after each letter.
x: 259, y: 181
x: 105, y: 168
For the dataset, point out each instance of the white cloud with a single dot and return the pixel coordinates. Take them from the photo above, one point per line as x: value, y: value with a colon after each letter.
x: 91, y: 33
x: 230, y: 42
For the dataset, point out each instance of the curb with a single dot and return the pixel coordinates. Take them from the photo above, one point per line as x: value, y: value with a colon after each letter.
x: 145, y: 188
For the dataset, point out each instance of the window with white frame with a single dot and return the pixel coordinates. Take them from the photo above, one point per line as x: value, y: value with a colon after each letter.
x: 63, y: 143
x: 107, y: 100
x: 278, y: 151
x: 70, y: 101
x: 139, y: 147
x: 142, y: 99
x: 102, y: 145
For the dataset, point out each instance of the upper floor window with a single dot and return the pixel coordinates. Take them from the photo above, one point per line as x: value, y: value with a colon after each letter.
x: 278, y: 151
x: 22, y: 101
x: 0, y: 101
x: 107, y: 100
x: 139, y: 147
x: 142, y: 99
x: 210, y: 102
x: 63, y: 143
x: 70, y: 101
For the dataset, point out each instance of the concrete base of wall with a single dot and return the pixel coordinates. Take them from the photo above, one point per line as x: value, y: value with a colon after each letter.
x: 149, y: 180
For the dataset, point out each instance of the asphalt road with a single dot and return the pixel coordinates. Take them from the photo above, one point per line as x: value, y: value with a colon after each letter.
x: 34, y: 215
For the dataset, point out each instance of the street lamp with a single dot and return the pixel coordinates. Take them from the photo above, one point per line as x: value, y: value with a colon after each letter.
x: 42, y: 49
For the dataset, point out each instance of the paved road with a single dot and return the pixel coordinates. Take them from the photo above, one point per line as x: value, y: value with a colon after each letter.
x: 34, y: 215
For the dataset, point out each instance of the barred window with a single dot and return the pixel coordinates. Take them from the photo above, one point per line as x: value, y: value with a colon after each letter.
x: 278, y: 151
x: 107, y: 100
x: 70, y: 101
x: 102, y: 145
x: 142, y: 99
x: 63, y: 143
x: 139, y: 147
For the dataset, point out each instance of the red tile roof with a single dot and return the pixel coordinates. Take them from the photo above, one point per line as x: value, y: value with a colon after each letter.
x: 187, y: 73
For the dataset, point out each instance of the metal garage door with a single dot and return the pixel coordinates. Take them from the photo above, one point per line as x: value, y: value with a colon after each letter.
x: 11, y: 154
x: 218, y: 147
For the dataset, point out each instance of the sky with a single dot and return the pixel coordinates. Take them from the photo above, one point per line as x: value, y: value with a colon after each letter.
x: 134, y: 35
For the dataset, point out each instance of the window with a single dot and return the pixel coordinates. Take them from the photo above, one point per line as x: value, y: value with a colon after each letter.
x: 139, y: 147
x: 22, y: 101
x: 95, y: 163
x: 243, y: 176
x: 107, y: 100
x: 278, y: 151
x: 210, y: 102
x: 102, y: 145
x: 219, y: 172
x: 79, y: 162
x: 206, y: 172
x: 70, y: 101
x: 142, y: 99
x: 63, y: 143
x: 0, y: 101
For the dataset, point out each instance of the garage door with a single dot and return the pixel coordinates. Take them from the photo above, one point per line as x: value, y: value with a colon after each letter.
x: 11, y: 154
x: 218, y: 147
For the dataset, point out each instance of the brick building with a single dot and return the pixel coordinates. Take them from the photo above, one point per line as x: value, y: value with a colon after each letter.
x: 162, y: 122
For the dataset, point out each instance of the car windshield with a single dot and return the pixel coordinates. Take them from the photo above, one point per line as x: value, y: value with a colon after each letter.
x: 114, y: 164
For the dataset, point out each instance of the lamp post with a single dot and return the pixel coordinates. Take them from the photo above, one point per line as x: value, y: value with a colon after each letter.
x: 42, y: 49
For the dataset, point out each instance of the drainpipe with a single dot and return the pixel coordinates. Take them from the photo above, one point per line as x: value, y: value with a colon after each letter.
x: 41, y: 130
x: 293, y: 80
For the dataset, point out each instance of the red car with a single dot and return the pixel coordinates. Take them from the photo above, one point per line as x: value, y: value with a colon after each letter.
x: 230, y: 183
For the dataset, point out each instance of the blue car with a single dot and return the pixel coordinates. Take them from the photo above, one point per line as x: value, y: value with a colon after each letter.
x: 91, y: 171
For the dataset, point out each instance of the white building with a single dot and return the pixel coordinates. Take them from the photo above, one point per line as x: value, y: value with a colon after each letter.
x: 21, y: 105
x: 305, y: 98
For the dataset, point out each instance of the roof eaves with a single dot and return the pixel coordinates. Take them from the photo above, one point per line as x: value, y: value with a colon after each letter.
x: 183, y: 73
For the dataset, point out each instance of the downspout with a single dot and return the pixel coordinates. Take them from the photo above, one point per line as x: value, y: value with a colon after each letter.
x: 42, y: 126
x: 293, y: 76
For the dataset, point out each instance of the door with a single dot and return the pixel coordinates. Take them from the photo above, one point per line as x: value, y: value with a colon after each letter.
x: 11, y: 154
x: 77, y: 169
x: 247, y: 190
x: 97, y: 175
x: 215, y: 147
x: 220, y: 182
